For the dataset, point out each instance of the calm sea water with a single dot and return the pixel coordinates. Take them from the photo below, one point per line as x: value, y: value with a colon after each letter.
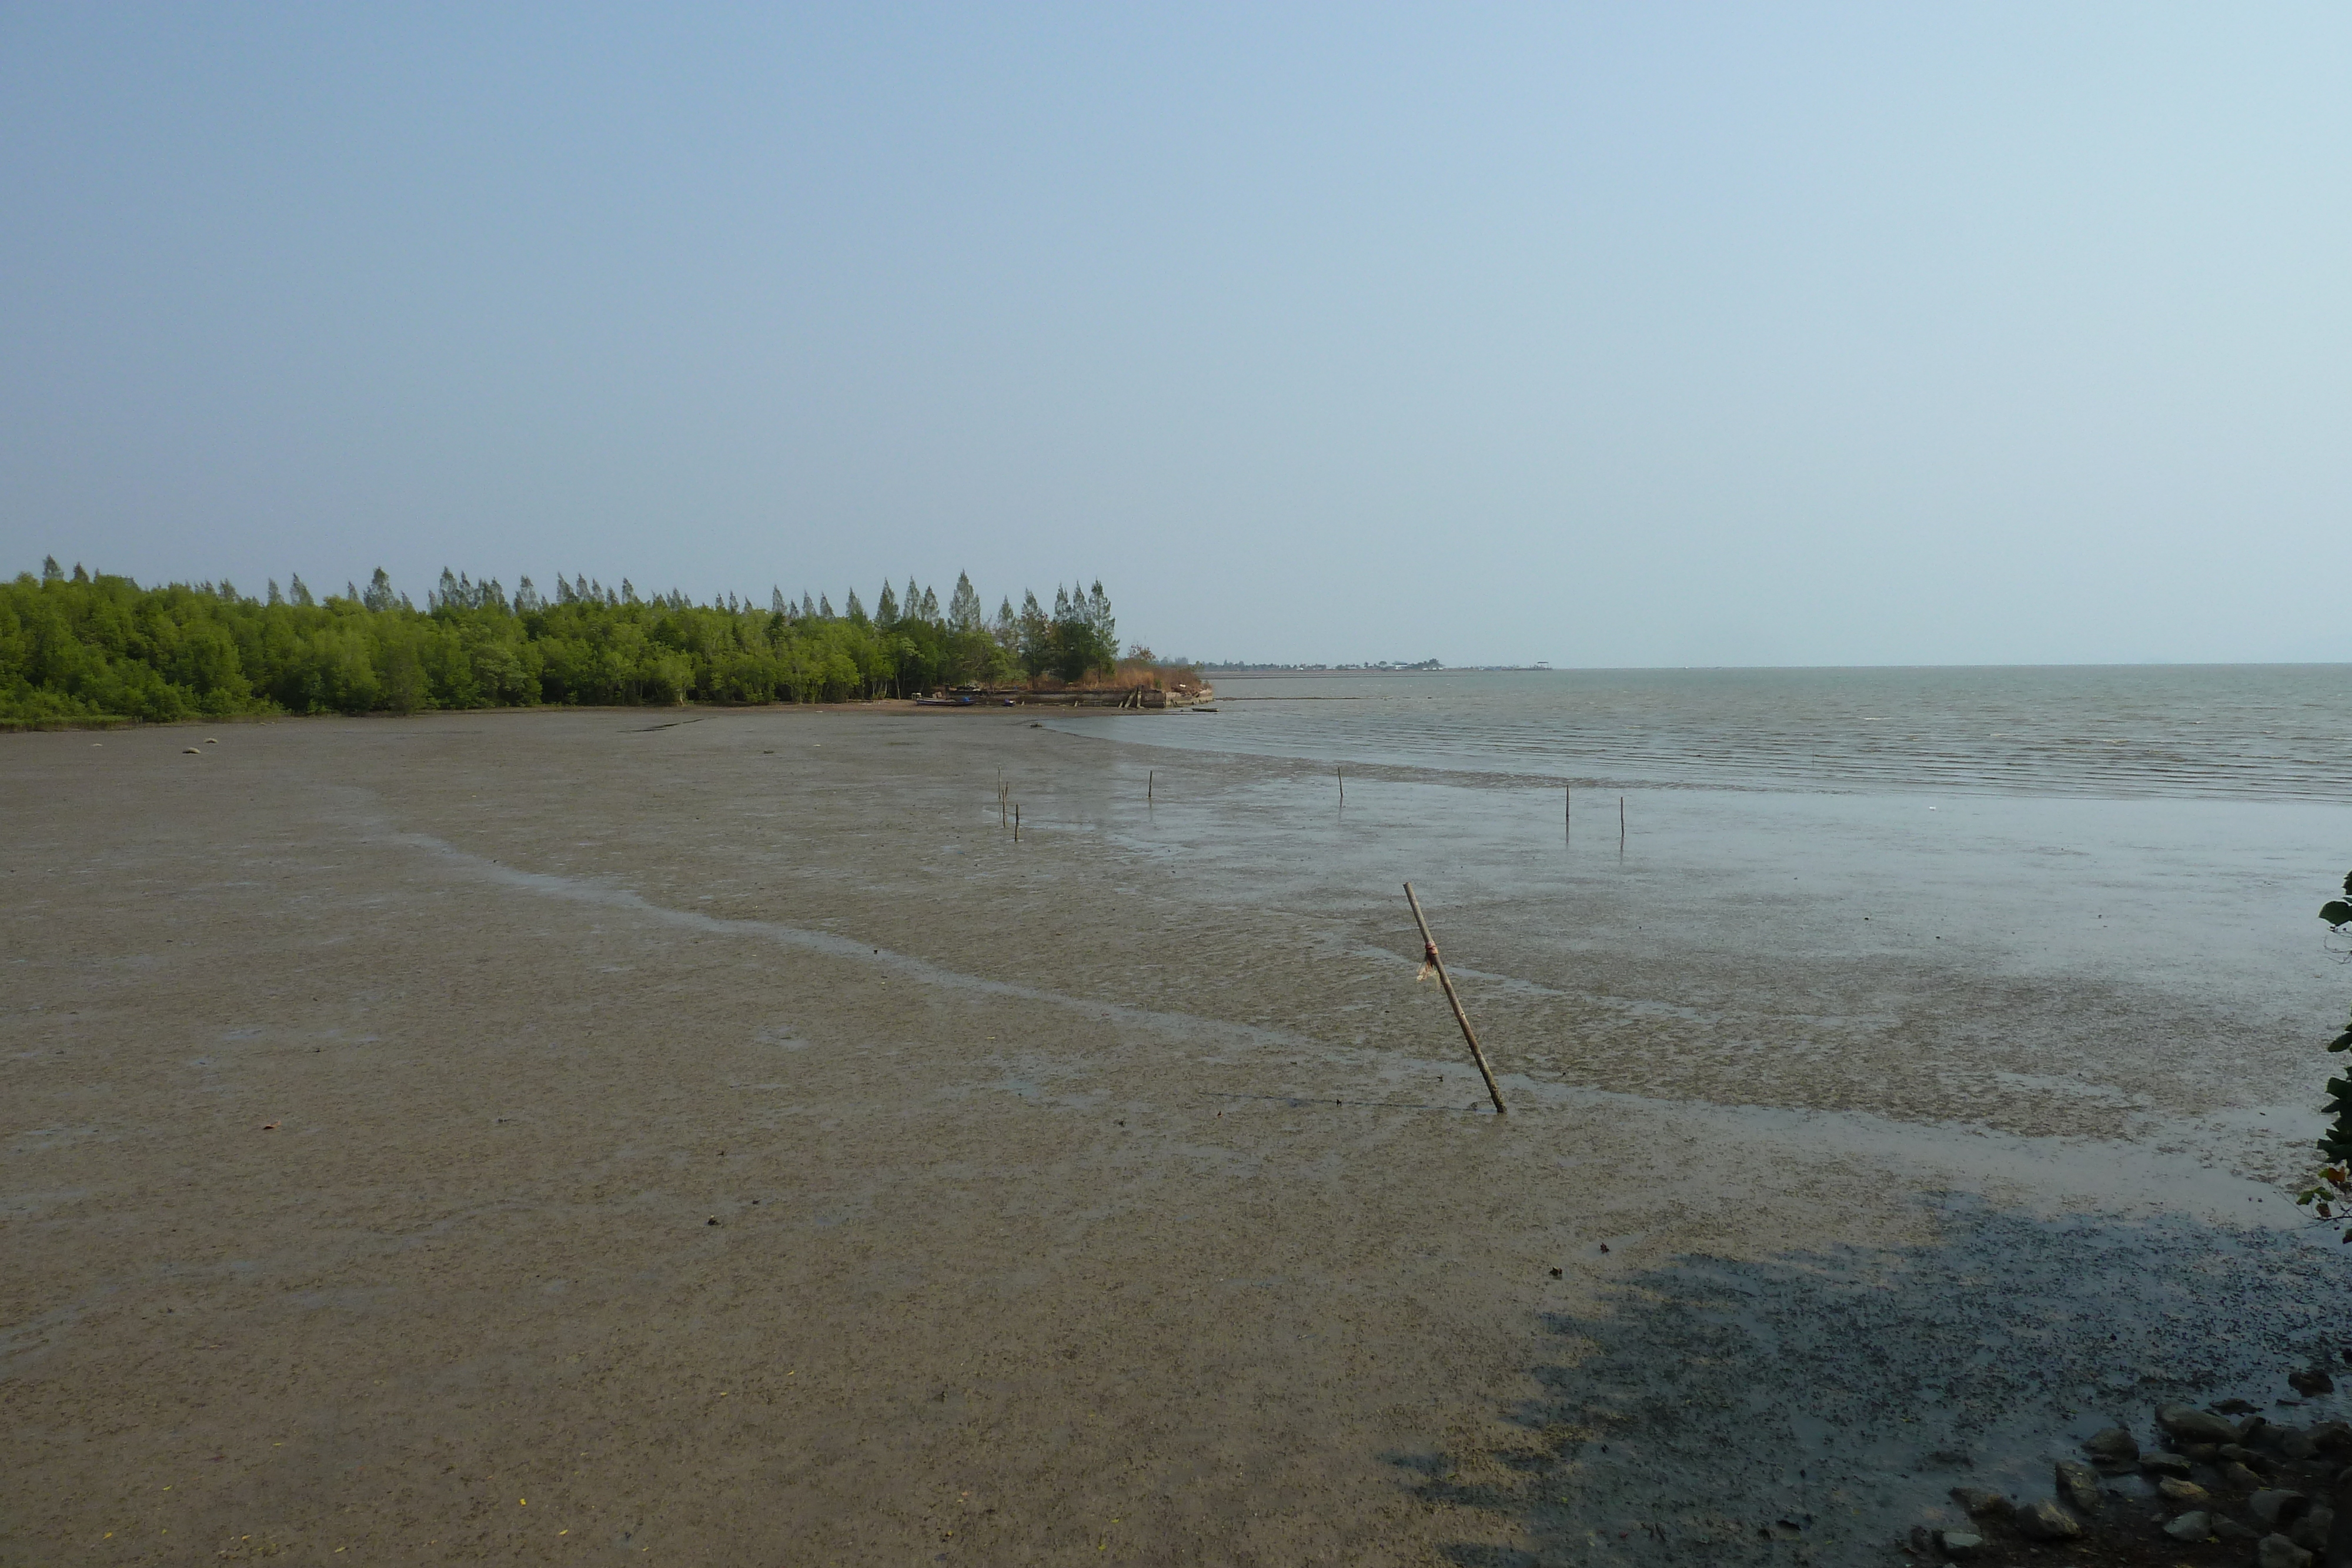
x: 2229, y: 731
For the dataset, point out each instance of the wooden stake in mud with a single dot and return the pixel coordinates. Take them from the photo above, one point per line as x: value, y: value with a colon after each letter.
x: 1620, y: 824
x: 1150, y: 779
x: 1016, y: 824
x: 1341, y: 774
x: 1568, y: 811
x: 1429, y: 950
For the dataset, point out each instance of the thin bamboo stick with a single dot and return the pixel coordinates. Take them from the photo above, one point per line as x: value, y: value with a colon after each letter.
x: 1429, y: 949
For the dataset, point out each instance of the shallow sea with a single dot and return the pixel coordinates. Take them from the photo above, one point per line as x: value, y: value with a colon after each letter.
x: 2160, y: 836
x: 2229, y: 731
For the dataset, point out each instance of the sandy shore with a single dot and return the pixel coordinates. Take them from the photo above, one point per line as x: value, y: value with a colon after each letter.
x: 549, y: 1137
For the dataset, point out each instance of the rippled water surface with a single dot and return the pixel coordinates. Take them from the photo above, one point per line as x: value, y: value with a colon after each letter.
x: 2275, y: 731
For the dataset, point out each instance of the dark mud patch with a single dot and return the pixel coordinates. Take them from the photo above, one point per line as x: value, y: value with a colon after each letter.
x: 1816, y: 1406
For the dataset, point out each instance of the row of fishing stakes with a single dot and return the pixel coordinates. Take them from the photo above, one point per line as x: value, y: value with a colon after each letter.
x: 1568, y: 815
x: 1567, y: 808
x: 1003, y: 806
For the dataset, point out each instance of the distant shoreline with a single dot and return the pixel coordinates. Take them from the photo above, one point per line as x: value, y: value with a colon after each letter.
x: 1428, y: 669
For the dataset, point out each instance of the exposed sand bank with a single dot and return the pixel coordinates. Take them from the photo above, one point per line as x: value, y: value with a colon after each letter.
x: 1111, y: 1196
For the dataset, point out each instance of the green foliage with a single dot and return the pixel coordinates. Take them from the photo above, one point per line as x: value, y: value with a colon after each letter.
x: 2330, y: 1195
x: 1080, y: 638
x: 90, y: 647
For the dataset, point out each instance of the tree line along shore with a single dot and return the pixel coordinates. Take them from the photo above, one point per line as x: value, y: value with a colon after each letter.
x: 83, y: 647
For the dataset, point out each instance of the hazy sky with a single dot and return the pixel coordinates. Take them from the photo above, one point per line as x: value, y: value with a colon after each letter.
x: 1643, y: 334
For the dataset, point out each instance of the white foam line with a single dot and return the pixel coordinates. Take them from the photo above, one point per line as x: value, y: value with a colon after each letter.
x: 922, y: 970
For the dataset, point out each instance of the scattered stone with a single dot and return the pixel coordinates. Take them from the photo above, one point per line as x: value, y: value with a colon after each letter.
x: 190, y: 751
x: 2046, y: 1520
x: 2190, y: 1527
x: 2248, y: 1468
x: 2310, y: 1385
x: 2079, y: 1485
x: 2114, y: 1450
x: 2278, y: 1552
x: 2191, y: 1424
x: 1983, y: 1504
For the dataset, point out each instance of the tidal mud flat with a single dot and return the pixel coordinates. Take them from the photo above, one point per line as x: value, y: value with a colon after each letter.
x: 584, y: 1135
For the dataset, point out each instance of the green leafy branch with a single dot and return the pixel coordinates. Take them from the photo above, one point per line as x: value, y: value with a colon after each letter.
x: 2329, y: 1195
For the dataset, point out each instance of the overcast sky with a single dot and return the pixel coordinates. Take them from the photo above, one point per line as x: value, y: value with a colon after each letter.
x: 1643, y: 334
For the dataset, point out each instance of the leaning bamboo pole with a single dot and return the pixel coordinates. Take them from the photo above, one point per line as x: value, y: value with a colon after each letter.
x: 1429, y: 951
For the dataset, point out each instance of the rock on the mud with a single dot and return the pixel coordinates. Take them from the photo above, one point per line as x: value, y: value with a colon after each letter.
x: 2175, y: 1490
x: 2311, y: 1531
x: 2277, y: 1506
x: 2114, y: 1450
x: 2293, y: 1445
x: 2228, y: 1528
x: 2244, y: 1480
x: 2278, y: 1552
x: 2164, y: 1464
x: 2078, y: 1484
x: 2047, y: 1519
x: 1983, y: 1503
x: 2310, y: 1385
x: 2194, y: 1526
x: 2191, y: 1424
x: 1959, y: 1545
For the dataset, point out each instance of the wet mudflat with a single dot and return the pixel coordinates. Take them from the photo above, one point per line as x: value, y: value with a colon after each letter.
x: 542, y: 1136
